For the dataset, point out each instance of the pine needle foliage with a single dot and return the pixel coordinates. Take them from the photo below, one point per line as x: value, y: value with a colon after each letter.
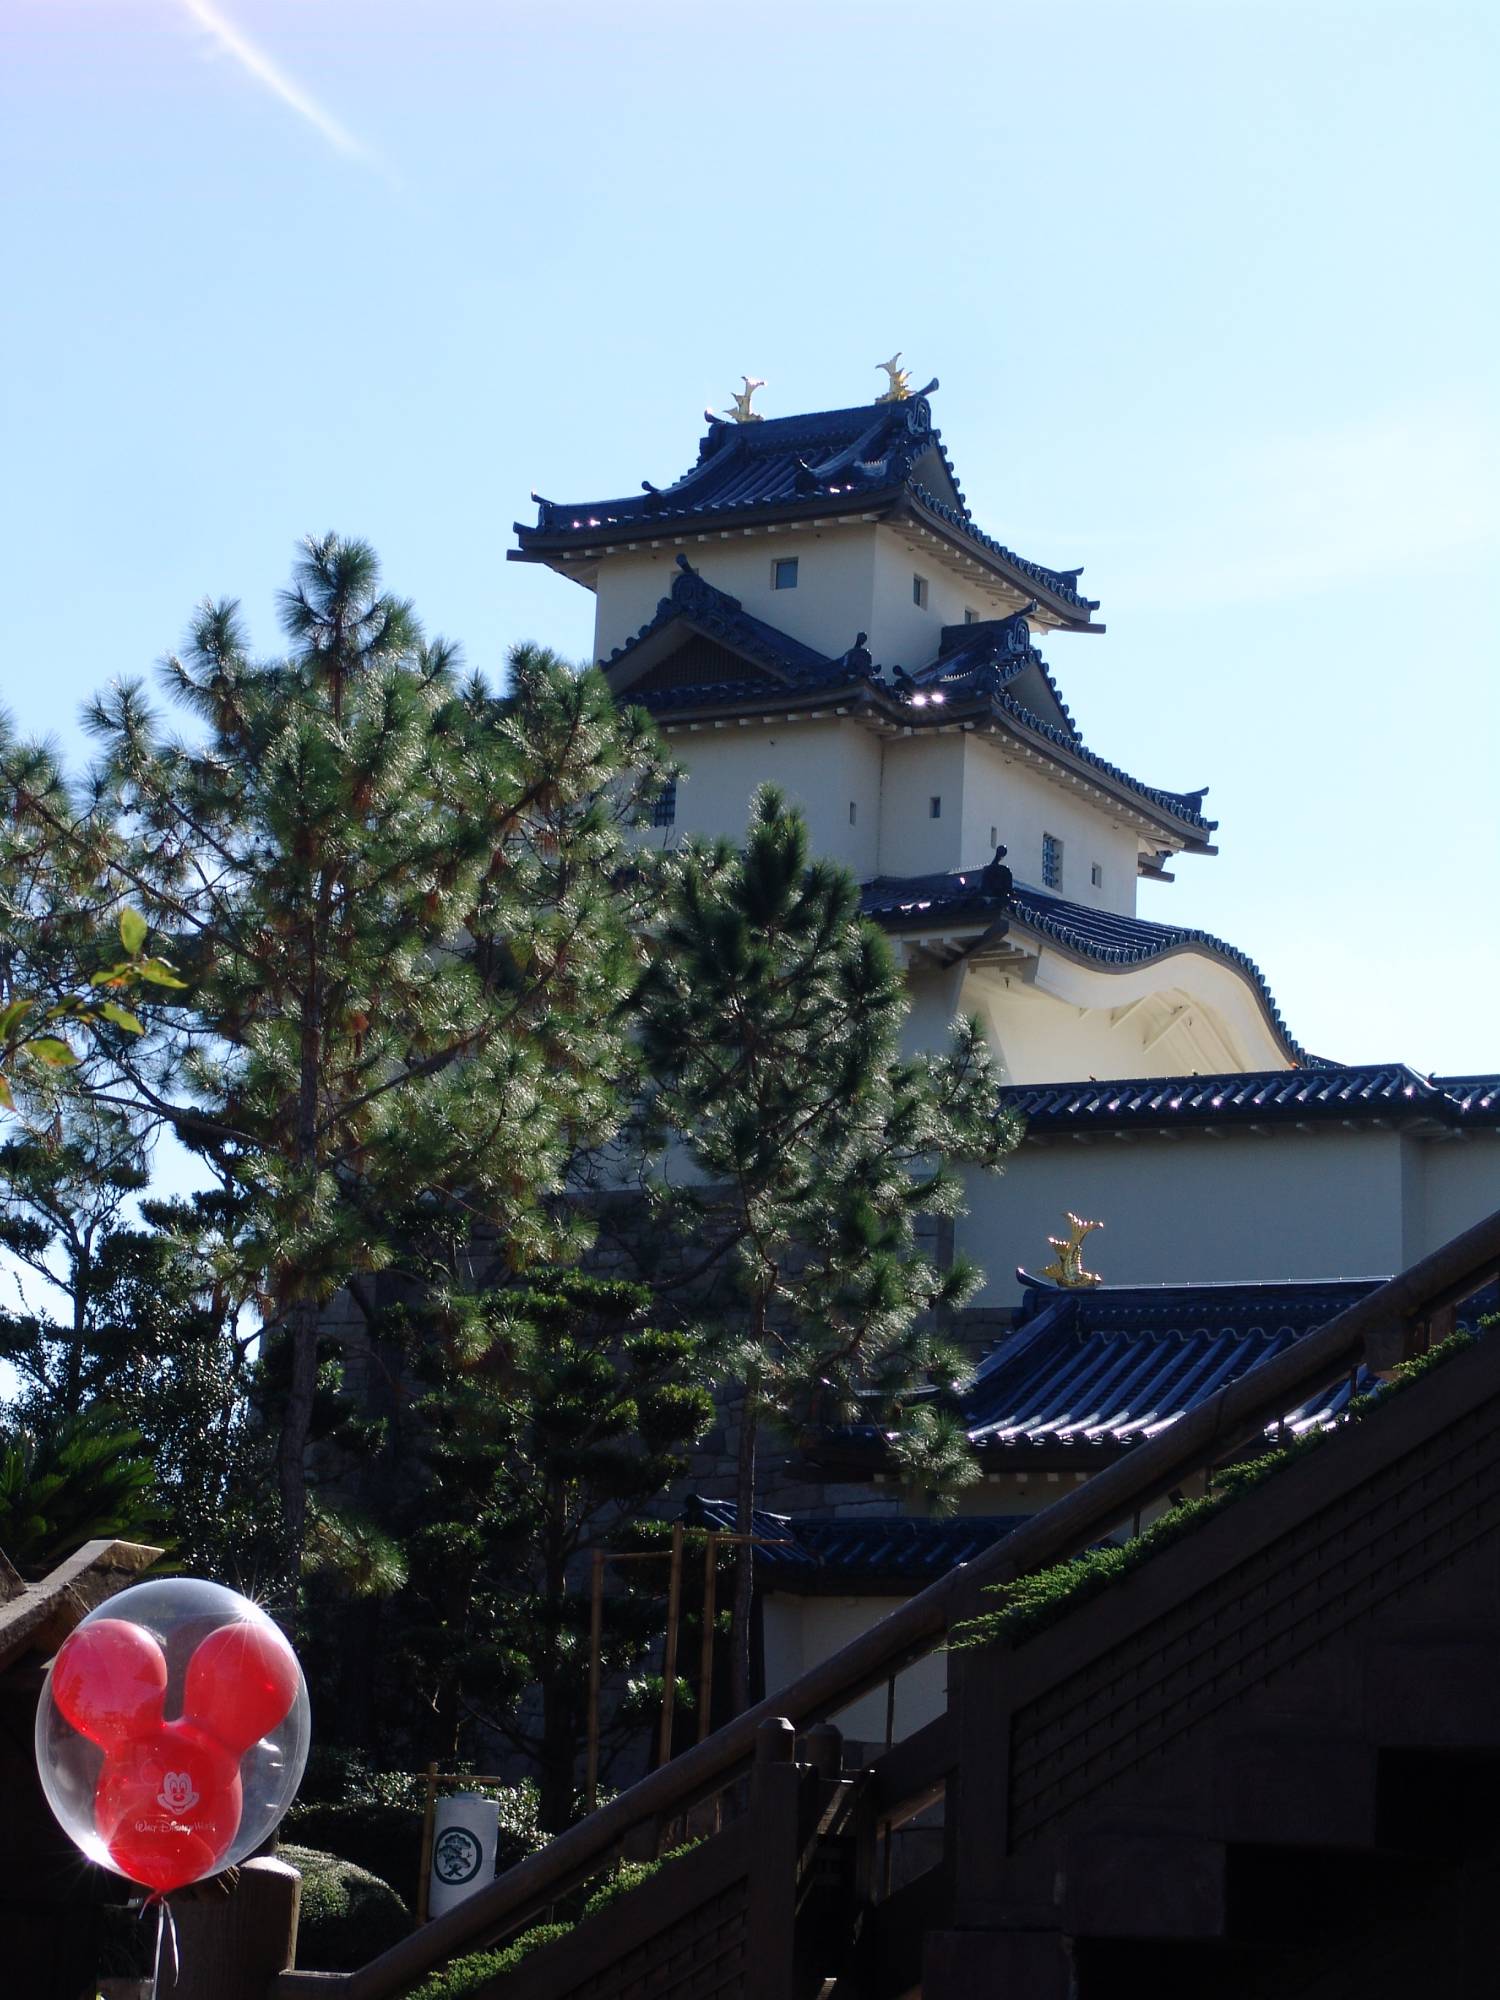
x: 557, y: 1415
x: 400, y: 901
x: 772, y: 1017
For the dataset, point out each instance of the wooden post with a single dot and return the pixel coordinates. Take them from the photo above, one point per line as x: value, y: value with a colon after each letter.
x: 596, y: 1634
x: 706, y: 1655
x: 771, y: 1912
x: 429, y: 1814
x: 669, y: 1647
x: 233, y: 1947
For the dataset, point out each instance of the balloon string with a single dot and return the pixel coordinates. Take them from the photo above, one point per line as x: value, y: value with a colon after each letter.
x: 166, y: 1931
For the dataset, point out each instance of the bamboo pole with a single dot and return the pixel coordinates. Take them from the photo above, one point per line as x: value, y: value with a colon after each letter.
x: 596, y: 1633
x: 429, y: 1812
x: 669, y: 1648
x: 706, y: 1655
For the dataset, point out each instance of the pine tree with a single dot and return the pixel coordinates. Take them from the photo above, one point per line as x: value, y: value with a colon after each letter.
x: 558, y: 1416
x: 771, y: 1020
x: 397, y: 898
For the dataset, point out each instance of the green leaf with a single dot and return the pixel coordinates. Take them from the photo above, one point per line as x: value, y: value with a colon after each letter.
x: 160, y: 973
x: 12, y: 1017
x: 123, y: 974
x: 122, y: 1018
x: 132, y: 931
x: 49, y: 1050
x: 7, y: 1097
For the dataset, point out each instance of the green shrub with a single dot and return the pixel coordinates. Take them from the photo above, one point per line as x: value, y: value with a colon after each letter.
x: 630, y: 1875
x: 467, y: 1975
x: 348, y: 1914
x: 384, y: 1839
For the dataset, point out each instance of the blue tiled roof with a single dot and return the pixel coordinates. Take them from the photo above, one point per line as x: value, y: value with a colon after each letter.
x: 871, y: 1549
x: 790, y: 468
x: 1087, y: 1372
x: 1386, y: 1091
x: 1099, y: 936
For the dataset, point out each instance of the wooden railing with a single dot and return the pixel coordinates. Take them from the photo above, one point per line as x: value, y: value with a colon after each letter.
x: 1397, y: 1320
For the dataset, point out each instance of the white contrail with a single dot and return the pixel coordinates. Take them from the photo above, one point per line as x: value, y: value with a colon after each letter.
x: 260, y: 66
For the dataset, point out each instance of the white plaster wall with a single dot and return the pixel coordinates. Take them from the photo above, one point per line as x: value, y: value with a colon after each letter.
x: 937, y: 1000
x: 854, y: 578
x: 918, y: 769
x: 1197, y: 1209
x: 1000, y: 791
x: 1460, y: 1185
x: 830, y: 605
x: 1055, y: 1019
x: 907, y: 632
x: 801, y: 1631
x: 824, y: 767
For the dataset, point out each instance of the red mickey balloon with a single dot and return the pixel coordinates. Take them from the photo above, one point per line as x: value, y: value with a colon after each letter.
x: 168, y: 1806
x: 167, y: 1802
x: 110, y: 1680
x: 240, y: 1683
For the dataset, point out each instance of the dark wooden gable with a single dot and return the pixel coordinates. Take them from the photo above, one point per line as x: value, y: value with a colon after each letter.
x: 701, y: 662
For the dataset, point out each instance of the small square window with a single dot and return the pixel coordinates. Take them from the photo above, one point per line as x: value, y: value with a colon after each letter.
x: 851, y: 812
x: 1096, y: 876
x: 934, y: 808
x: 919, y: 591
x: 1052, y: 861
x: 971, y: 616
x: 664, y: 806
x: 784, y: 573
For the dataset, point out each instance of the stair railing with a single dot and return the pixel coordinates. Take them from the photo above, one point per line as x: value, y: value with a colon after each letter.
x: 1396, y: 1320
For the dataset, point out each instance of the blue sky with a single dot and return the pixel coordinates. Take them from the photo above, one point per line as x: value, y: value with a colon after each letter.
x: 1209, y: 287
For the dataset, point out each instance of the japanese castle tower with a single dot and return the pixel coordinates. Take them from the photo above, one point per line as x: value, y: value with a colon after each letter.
x: 813, y: 604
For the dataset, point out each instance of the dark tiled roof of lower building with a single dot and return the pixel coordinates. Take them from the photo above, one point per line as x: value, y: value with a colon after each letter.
x: 1092, y: 1372
x: 1113, y: 1365
x: 1336, y: 1092
x: 802, y: 1554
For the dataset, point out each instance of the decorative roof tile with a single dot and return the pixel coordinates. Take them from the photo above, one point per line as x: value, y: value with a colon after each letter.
x: 1113, y: 1365
x: 1366, y: 1091
x: 888, y: 1549
x: 823, y: 462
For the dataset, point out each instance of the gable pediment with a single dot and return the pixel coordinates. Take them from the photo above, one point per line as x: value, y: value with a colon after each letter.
x: 697, y: 660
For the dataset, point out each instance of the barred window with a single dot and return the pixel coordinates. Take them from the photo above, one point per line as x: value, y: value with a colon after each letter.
x: 664, y: 807
x: 1052, y: 861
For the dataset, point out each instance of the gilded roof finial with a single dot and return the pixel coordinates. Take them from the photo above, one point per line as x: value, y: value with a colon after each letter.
x: 901, y: 390
x: 900, y: 377
x: 742, y: 412
x: 1067, y: 1269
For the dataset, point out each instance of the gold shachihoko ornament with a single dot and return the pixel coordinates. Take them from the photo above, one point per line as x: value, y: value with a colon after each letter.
x: 900, y: 390
x: 742, y: 412
x: 1067, y: 1268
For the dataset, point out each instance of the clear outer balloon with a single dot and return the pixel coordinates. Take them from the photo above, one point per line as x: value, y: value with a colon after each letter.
x: 172, y: 1731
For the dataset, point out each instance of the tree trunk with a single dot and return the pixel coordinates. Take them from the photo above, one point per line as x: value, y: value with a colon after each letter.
x: 296, y: 1426
x: 744, y: 1567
